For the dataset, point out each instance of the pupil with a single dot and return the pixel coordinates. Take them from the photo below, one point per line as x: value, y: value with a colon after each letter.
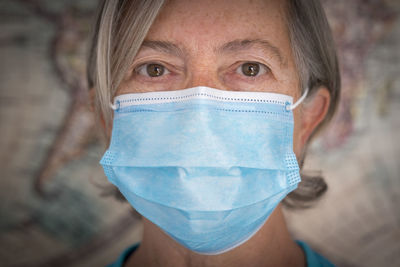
x: 155, y: 70
x: 250, y: 69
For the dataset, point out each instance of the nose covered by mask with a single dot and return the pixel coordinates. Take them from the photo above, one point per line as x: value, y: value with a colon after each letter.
x: 206, y: 166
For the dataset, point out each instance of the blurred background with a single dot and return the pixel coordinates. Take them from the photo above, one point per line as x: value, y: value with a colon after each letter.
x: 56, y: 208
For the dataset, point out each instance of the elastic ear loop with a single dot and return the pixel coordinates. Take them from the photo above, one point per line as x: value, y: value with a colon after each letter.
x: 113, y: 107
x: 298, y: 102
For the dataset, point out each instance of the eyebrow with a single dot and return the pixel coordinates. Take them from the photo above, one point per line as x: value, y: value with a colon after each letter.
x: 233, y: 46
x: 237, y: 45
x: 164, y: 47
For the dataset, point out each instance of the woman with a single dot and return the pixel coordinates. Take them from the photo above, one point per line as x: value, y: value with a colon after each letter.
x: 214, y: 104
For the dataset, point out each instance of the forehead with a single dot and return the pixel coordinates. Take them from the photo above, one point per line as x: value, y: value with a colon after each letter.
x: 207, y: 24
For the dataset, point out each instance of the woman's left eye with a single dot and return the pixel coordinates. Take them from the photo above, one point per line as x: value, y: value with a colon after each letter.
x: 252, y: 69
x: 152, y: 70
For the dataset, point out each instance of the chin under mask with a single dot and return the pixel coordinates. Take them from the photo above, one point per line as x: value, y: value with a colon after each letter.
x: 206, y: 166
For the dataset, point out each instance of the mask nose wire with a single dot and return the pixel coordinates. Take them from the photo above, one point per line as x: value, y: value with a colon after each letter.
x: 298, y: 102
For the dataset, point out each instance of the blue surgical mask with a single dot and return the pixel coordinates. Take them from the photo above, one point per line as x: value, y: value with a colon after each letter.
x: 206, y: 166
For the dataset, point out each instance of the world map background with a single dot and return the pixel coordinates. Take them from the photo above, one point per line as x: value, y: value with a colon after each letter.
x: 56, y: 206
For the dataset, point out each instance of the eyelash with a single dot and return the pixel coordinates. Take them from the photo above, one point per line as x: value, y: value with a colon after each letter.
x: 142, y: 70
x: 263, y: 69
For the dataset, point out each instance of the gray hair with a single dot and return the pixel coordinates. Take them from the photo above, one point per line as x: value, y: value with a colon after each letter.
x: 314, y: 50
x: 123, y: 24
x: 119, y: 32
x: 317, y: 64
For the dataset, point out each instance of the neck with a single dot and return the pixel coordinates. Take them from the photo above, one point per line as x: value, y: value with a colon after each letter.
x: 270, y: 246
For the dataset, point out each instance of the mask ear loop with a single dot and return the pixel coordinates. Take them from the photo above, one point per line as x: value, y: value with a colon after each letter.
x: 113, y: 107
x: 298, y: 102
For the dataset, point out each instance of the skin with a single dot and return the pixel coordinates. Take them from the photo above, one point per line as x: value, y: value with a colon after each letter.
x: 205, y: 43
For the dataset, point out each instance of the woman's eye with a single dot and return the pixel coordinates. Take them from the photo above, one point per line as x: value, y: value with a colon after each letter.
x: 252, y: 69
x: 152, y: 70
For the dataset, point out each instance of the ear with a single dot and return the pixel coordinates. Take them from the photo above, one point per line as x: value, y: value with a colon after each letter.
x: 313, y: 113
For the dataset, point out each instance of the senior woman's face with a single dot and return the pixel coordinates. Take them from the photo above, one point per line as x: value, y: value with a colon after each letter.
x: 229, y: 45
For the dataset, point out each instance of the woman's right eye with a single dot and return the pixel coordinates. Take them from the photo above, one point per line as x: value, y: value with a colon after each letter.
x: 152, y: 70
